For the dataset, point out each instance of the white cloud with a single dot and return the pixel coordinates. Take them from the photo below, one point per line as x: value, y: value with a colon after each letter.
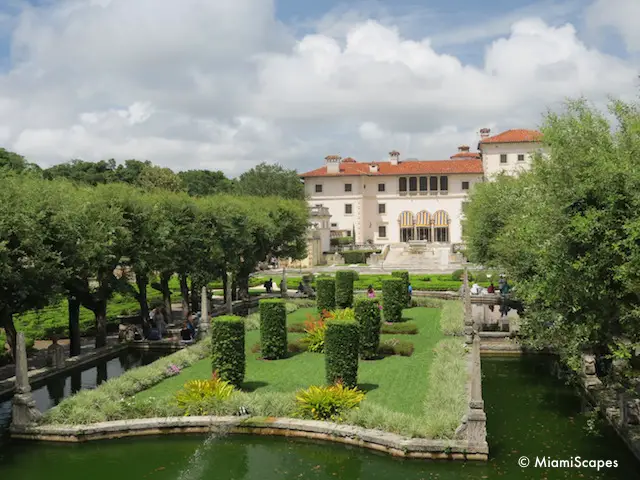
x: 218, y: 84
x: 620, y: 15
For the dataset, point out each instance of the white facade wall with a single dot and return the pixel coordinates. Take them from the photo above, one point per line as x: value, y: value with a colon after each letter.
x: 491, y: 153
x: 365, y: 198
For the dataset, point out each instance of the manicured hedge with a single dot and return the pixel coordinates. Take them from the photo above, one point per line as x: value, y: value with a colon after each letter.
x: 227, y: 348
x: 342, y: 348
x: 273, y: 328
x: 357, y: 256
x: 367, y: 312
x: 404, y: 275
x: 326, y: 294
x: 344, y: 289
x: 341, y: 241
x: 393, y: 297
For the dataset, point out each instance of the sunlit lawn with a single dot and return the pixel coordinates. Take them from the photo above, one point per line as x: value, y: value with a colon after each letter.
x: 400, y: 383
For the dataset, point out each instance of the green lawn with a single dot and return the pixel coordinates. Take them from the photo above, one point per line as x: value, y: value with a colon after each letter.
x: 398, y: 383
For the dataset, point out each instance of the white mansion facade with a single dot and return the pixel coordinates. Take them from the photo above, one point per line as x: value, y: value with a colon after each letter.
x: 396, y: 201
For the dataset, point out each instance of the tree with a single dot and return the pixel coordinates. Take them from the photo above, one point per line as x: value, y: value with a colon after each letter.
x: 153, y: 177
x: 131, y: 170
x: 569, y: 232
x: 201, y: 183
x: 80, y: 171
x: 32, y: 213
x: 266, y: 180
x: 10, y: 161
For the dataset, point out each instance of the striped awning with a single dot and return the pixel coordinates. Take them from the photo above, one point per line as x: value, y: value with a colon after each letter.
x: 441, y: 219
x: 406, y: 219
x: 423, y: 219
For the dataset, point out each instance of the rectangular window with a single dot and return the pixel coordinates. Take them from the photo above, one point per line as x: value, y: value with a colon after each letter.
x: 348, y: 209
x: 413, y: 184
x: 334, y: 225
x: 381, y: 187
x: 433, y: 183
x: 503, y: 158
x: 402, y: 184
x: 382, y: 231
x: 318, y: 188
x: 521, y: 157
x: 382, y: 208
x: 423, y: 184
x: 444, y: 184
x: 347, y: 187
x: 465, y: 185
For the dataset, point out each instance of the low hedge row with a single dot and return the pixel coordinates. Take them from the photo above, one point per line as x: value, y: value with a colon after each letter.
x: 273, y: 328
x: 227, y: 348
x: 342, y: 348
x: 357, y: 256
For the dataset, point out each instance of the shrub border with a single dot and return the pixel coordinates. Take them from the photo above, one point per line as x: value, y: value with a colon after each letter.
x: 390, y: 443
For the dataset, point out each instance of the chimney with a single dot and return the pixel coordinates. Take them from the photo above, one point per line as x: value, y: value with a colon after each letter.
x: 463, y: 149
x: 373, y: 168
x: 484, y: 132
x: 394, y: 157
x: 333, y: 163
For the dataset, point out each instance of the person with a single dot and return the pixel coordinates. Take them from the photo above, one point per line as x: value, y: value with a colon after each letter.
x: 475, y: 289
x: 491, y: 288
x: 300, y: 288
x: 410, y: 291
x: 370, y: 292
x: 189, y: 323
x: 186, y: 334
x: 501, y: 282
x: 268, y: 285
x: 504, y: 289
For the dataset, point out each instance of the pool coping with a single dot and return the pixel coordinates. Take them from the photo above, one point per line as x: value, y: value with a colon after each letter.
x: 381, y: 441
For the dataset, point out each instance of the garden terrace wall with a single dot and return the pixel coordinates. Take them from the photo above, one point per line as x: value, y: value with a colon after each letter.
x: 389, y: 443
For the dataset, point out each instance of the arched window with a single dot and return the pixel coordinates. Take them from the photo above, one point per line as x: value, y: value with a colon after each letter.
x: 406, y: 221
x: 441, y: 226
x: 423, y: 226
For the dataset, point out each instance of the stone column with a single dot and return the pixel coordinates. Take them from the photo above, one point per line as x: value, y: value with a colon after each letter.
x: 229, y: 300
x: 55, y: 354
x: 468, y: 320
x: 24, y: 407
x: 203, y: 328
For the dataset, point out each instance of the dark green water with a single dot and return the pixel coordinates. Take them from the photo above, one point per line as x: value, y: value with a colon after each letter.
x: 529, y: 413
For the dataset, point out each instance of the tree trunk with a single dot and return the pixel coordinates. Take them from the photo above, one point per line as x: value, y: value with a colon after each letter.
x: 74, y: 326
x: 195, y: 295
x: 234, y: 289
x: 6, y: 321
x: 164, y: 286
x: 224, y: 288
x: 142, y: 281
x: 184, y: 292
x: 243, y: 286
x: 101, y: 323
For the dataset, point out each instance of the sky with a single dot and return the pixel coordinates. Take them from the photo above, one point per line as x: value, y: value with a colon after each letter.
x: 225, y: 85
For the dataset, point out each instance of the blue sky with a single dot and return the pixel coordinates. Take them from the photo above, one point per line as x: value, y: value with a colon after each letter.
x: 227, y: 84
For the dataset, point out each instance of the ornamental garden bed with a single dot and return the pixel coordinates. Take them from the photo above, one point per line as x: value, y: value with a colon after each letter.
x: 422, y: 395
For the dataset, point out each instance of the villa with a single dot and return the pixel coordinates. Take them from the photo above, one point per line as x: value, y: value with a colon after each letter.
x: 409, y: 202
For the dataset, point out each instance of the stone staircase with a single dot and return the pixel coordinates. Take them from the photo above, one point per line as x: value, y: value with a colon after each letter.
x: 420, y: 257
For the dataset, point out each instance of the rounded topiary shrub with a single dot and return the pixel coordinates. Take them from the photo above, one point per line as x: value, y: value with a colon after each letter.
x: 326, y: 294
x: 367, y: 312
x: 227, y: 348
x: 393, y: 298
x: 344, y: 289
x: 273, y: 328
x: 341, y: 349
x: 404, y: 275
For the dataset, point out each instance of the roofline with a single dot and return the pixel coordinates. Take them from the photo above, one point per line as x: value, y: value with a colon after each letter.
x: 369, y: 174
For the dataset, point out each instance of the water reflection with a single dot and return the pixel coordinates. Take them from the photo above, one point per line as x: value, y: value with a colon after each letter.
x: 502, y: 317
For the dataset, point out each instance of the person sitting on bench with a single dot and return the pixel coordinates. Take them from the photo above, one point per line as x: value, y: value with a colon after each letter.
x: 186, y: 334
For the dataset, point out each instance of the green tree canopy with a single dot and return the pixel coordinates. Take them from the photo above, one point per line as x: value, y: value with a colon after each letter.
x: 201, y: 183
x: 267, y: 180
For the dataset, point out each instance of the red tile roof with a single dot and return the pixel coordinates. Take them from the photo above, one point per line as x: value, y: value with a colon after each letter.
x: 514, y: 136
x: 462, y: 155
x: 407, y: 167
